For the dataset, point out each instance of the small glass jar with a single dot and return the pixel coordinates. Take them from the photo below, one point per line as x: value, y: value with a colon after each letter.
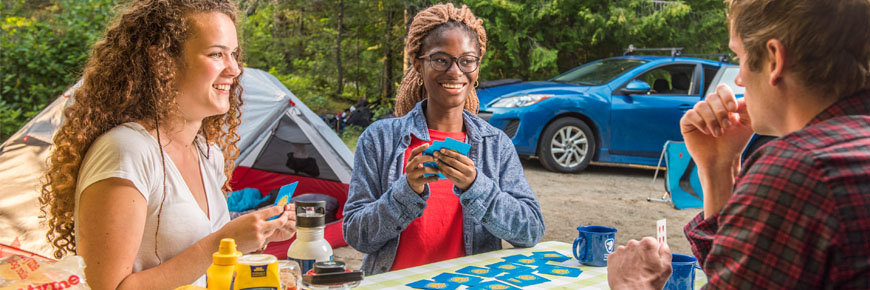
x: 290, y: 274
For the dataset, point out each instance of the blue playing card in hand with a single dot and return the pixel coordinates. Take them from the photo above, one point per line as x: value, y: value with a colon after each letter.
x: 284, y: 195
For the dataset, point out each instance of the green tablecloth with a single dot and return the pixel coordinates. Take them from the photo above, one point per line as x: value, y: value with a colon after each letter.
x: 591, y: 278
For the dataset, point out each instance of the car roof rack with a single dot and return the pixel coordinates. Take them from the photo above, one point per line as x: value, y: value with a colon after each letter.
x: 722, y: 57
x: 678, y: 51
x: 675, y: 51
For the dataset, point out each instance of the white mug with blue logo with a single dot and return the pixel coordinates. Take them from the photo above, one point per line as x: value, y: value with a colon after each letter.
x: 593, y: 244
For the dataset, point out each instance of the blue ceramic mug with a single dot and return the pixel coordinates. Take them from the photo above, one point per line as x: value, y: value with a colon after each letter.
x: 593, y: 244
x: 683, y: 276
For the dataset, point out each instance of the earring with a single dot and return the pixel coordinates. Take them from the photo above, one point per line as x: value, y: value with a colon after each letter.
x: 476, y: 83
x: 420, y: 82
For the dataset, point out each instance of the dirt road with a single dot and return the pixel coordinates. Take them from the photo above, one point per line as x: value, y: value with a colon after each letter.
x: 609, y: 196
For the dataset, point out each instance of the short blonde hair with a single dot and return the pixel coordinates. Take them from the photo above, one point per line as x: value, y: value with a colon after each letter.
x: 826, y: 40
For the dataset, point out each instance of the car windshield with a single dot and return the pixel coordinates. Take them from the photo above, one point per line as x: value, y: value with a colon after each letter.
x: 728, y: 76
x: 599, y: 72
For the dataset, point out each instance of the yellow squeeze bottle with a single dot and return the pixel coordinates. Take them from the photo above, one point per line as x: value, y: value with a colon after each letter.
x: 219, y: 275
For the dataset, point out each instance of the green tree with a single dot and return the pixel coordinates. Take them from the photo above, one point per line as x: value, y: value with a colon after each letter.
x: 43, y: 48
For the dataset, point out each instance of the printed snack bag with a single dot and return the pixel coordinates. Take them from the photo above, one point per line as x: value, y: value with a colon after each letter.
x: 19, y: 272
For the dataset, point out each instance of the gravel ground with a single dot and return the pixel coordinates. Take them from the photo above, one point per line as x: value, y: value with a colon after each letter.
x: 600, y: 195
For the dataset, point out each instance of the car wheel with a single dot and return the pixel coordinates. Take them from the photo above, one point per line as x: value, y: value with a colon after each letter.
x: 566, y: 146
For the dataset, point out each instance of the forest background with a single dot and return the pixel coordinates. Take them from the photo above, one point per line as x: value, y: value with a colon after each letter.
x: 332, y: 53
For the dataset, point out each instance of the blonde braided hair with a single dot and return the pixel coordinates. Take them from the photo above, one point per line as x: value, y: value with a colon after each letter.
x: 425, y: 23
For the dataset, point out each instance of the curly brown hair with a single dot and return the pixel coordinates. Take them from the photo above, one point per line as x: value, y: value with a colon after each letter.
x: 128, y: 78
x: 432, y: 21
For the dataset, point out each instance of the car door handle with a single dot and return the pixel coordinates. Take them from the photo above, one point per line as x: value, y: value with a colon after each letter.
x: 685, y: 107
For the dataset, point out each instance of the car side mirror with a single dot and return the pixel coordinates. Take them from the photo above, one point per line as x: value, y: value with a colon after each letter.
x: 636, y: 87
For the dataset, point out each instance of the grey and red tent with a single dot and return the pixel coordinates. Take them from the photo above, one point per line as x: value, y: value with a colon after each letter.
x: 281, y: 141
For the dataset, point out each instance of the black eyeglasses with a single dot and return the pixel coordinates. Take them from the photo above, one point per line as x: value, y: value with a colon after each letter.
x: 441, y: 62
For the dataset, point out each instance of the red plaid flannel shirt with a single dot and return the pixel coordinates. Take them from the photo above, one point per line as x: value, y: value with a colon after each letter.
x: 799, y: 217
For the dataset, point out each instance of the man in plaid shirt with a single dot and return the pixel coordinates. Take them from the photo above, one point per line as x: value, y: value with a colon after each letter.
x: 798, y: 214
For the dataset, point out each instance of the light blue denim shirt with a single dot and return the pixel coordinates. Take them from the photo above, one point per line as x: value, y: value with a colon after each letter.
x: 380, y: 205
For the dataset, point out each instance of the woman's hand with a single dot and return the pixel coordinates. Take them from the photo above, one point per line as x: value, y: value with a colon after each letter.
x: 415, y: 171
x: 456, y: 167
x: 252, y: 231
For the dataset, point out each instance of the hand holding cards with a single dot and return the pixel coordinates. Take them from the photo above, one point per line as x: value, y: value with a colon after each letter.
x: 448, y: 143
x: 284, y: 195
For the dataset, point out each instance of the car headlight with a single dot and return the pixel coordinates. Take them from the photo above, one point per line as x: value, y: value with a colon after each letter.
x: 519, y: 101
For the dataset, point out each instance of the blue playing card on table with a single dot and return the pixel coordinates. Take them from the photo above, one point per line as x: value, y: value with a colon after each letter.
x: 511, y: 267
x: 551, y: 256
x: 523, y: 279
x: 493, y: 285
x: 525, y: 260
x: 559, y: 271
x: 483, y: 272
x: 428, y: 284
x: 458, y: 278
x: 284, y: 195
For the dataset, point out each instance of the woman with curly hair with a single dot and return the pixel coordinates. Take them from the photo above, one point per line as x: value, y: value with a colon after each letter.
x: 400, y: 212
x: 135, y: 180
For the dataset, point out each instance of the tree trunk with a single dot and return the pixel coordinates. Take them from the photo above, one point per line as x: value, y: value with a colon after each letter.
x: 387, y: 79
x: 340, y: 87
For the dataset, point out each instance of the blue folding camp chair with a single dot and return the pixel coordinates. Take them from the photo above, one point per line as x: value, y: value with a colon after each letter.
x: 682, y: 186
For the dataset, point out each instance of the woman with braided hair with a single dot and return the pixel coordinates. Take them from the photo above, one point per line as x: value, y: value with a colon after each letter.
x: 134, y: 184
x: 400, y: 212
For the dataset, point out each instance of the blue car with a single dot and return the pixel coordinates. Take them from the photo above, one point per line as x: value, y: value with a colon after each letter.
x: 615, y: 110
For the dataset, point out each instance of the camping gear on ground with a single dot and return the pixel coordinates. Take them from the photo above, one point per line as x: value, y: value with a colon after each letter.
x: 310, y: 246
x: 331, y: 275
x: 257, y: 271
x: 683, y: 275
x: 246, y: 199
x: 682, y: 185
x: 593, y: 244
x: 274, y: 123
x: 219, y: 275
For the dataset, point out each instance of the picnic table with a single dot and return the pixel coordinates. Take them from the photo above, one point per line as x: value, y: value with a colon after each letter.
x: 591, y: 278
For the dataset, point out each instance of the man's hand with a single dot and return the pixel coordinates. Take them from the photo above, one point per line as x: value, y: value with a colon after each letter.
x: 639, y: 265
x: 716, y: 131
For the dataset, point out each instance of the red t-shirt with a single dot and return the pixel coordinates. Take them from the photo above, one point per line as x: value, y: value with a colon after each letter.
x: 437, y: 235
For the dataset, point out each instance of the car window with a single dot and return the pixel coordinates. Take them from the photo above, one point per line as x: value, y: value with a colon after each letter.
x: 727, y: 77
x: 670, y: 79
x: 709, y: 74
x: 599, y: 72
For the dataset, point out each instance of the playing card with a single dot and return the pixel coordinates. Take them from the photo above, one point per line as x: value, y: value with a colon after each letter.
x: 511, y: 268
x: 662, y: 231
x: 284, y: 195
x: 559, y: 270
x: 428, y: 284
x: 483, y: 272
x: 523, y: 279
x: 551, y: 256
x: 448, y: 143
x: 525, y: 260
x: 493, y: 285
x: 458, y: 278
